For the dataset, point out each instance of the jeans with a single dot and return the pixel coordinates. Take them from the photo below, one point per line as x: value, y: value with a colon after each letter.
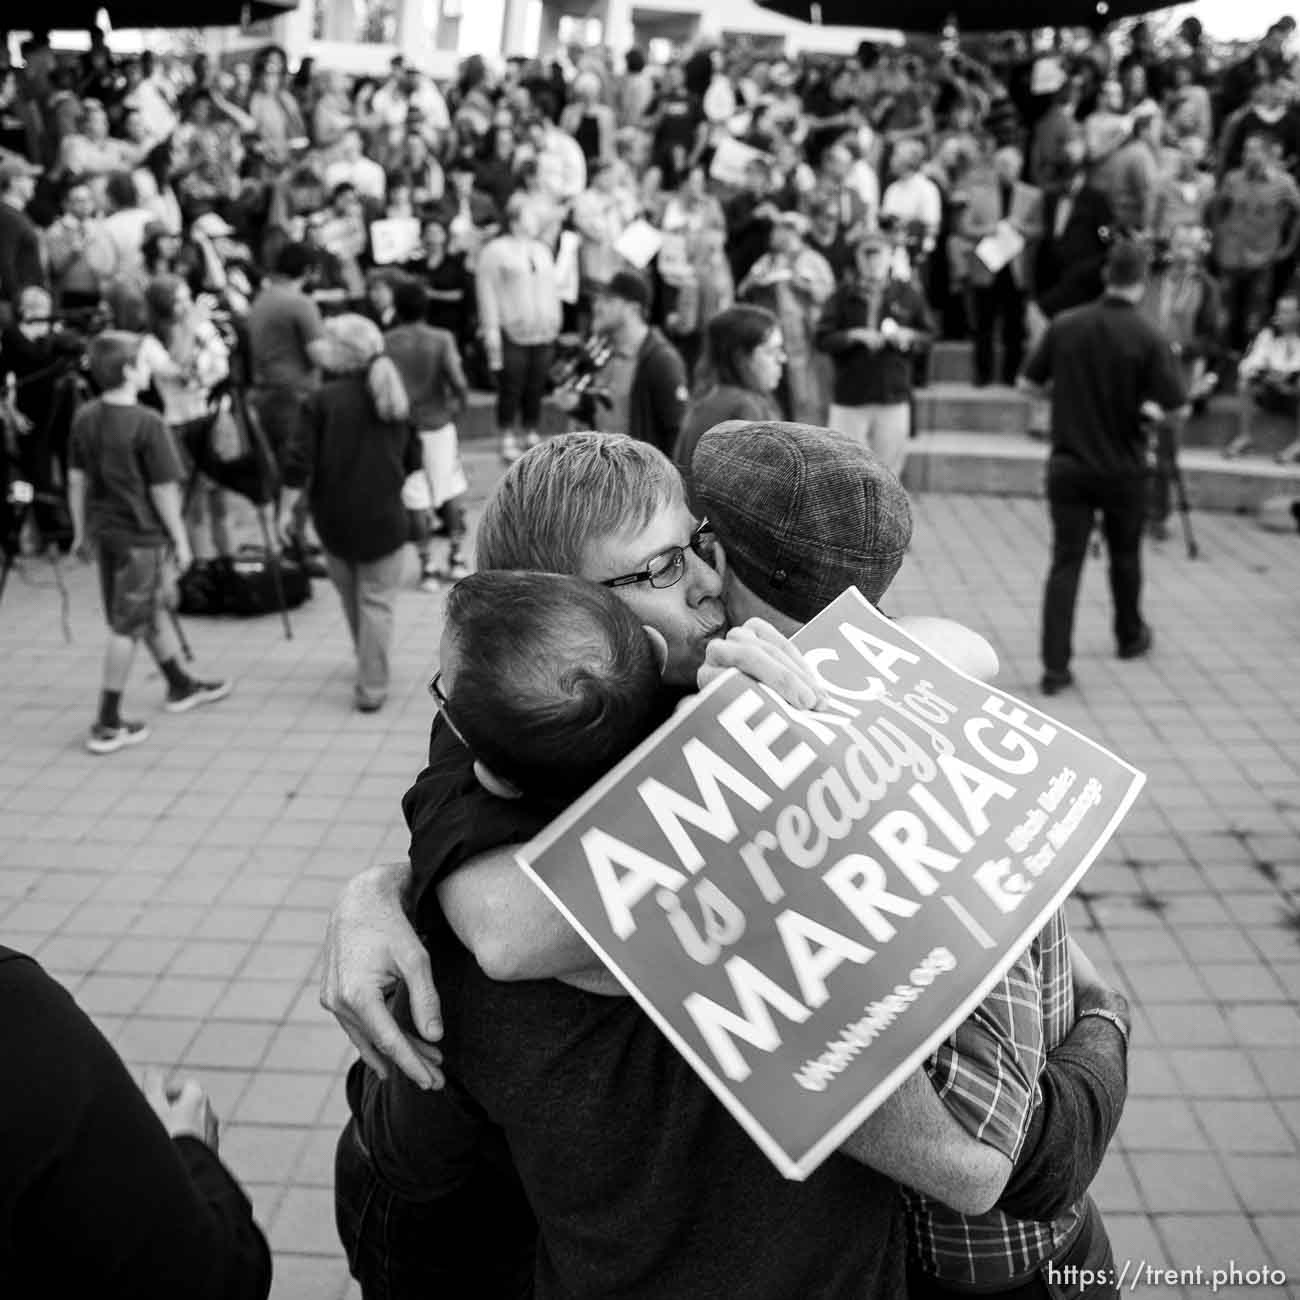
x: 882, y: 430
x: 1075, y: 495
x: 522, y: 382
x: 1001, y: 299
x: 474, y: 1241
x: 369, y: 596
x: 1246, y: 297
x: 1083, y: 1270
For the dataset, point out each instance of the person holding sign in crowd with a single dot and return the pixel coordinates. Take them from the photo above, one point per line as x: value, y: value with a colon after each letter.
x: 549, y: 534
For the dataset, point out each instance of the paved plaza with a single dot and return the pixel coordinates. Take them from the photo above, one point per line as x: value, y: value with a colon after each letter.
x: 180, y: 889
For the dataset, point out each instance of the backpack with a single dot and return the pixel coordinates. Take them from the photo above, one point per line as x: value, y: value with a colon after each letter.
x: 242, y: 584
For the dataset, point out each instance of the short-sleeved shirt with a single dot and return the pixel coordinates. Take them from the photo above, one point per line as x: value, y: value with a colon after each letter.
x: 642, y: 1183
x: 1256, y: 211
x: 281, y: 323
x: 123, y: 452
x: 1103, y: 362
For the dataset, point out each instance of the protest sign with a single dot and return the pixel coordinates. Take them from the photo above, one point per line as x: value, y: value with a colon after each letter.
x: 394, y: 239
x: 730, y: 159
x: 807, y: 904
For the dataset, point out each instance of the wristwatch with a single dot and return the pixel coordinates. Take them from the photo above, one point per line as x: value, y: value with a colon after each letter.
x: 1115, y: 1019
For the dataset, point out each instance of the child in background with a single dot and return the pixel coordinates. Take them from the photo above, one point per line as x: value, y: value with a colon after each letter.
x: 429, y: 363
x: 124, y: 496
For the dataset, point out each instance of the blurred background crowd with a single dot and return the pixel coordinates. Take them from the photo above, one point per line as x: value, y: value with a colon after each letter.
x: 960, y: 188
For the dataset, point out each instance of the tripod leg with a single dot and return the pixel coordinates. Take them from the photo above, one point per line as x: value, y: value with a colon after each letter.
x: 1185, y: 510
x: 277, y: 577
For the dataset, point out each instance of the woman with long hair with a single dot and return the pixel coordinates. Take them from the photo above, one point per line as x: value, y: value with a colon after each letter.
x: 743, y: 361
x: 355, y: 445
x: 187, y: 358
x: 273, y: 108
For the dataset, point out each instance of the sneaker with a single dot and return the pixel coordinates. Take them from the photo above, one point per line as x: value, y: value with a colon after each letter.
x: 107, y: 740
x: 194, y: 693
x: 1055, y: 683
x: 533, y: 438
x: 510, y: 448
x: 431, y: 583
x: 1136, y: 649
x: 456, y: 569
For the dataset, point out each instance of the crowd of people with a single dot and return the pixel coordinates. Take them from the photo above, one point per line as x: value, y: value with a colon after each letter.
x: 711, y: 262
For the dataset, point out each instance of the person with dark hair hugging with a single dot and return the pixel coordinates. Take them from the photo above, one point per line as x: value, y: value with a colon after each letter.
x: 606, y: 1165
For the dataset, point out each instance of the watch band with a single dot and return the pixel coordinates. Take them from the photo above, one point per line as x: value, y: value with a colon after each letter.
x: 1102, y: 1014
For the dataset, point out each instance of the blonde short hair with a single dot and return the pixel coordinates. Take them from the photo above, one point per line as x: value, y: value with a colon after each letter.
x: 569, y: 491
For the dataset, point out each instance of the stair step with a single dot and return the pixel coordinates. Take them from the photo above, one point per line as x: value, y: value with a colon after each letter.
x: 992, y: 464
x: 980, y: 410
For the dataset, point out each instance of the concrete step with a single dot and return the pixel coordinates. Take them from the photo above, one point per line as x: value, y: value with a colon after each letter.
x: 1008, y: 465
x: 943, y: 405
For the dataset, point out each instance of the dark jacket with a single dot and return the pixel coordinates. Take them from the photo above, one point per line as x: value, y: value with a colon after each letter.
x: 20, y: 254
x: 659, y: 393
x: 1067, y: 271
x: 725, y: 402
x: 95, y: 1198
x: 863, y: 377
x: 356, y: 464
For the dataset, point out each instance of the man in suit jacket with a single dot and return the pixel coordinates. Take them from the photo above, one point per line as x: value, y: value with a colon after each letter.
x: 20, y: 243
x: 1078, y: 223
x: 998, y: 196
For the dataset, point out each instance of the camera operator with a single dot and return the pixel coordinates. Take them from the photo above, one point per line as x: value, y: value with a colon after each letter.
x: 42, y: 356
x: 642, y: 384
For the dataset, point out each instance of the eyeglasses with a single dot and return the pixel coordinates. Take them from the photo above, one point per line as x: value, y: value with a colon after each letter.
x: 435, y: 689
x: 666, y: 568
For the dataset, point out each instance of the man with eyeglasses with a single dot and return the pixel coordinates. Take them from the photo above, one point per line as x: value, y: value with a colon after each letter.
x: 641, y: 1183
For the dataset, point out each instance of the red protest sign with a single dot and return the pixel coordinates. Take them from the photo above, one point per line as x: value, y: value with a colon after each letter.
x: 808, y: 903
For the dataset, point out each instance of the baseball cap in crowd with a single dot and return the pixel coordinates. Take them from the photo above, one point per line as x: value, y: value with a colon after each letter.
x: 873, y: 241
x: 795, y: 221
x: 801, y: 512
x: 213, y: 225
x: 628, y: 286
x: 13, y: 166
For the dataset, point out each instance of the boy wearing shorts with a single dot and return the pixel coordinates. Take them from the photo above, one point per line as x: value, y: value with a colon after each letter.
x: 125, y: 499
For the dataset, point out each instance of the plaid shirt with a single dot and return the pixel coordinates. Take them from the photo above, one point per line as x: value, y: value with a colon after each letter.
x: 987, y: 1074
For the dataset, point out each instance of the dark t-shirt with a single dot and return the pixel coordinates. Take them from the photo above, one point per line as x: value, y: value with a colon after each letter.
x: 95, y: 1198
x: 642, y: 1184
x: 281, y: 322
x: 123, y: 451
x: 1103, y: 361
